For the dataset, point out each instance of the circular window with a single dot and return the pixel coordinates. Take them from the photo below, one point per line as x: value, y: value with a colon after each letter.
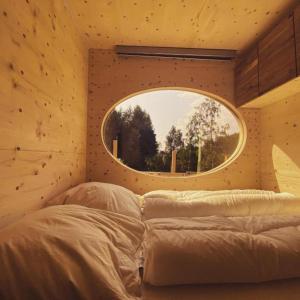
x: 173, y: 132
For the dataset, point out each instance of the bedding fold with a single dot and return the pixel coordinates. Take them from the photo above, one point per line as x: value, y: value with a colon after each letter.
x: 224, y: 203
x: 220, y: 249
x: 71, y: 252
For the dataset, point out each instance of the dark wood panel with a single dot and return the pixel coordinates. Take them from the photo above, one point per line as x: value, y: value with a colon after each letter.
x: 246, y: 77
x: 276, y: 54
x: 297, y: 36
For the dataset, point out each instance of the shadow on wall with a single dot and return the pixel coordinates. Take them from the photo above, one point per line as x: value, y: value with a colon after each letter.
x: 280, y: 146
x: 286, y: 168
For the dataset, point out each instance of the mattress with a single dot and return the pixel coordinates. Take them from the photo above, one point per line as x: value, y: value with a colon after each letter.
x: 275, y: 290
x: 218, y: 249
x: 171, y: 213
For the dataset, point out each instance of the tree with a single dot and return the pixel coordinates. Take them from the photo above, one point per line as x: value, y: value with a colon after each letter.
x: 204, y: 129
x: 135, y: 134
x: 160, y: 162
x: 203, y: 123
x: 174, y: 140
x: 187, y: 159
x: 223, y: 147
x: 147, y: 136
x: 112, y: 128
x: 138, y: 148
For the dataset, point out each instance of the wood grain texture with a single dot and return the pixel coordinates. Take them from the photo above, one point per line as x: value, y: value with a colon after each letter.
x: 230, y: 24
x: 297, y: 35
x: 112, y: 78
x: 246, y: 77
x: 28, y: 178
x: 43, y: 77
x: 280, y: 145
x: 276, y: 54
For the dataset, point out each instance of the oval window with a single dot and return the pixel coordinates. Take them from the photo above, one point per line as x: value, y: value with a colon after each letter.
x: 172, y: 132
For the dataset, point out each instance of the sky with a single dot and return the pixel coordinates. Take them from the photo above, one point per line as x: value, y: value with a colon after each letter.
x: 173, y: 107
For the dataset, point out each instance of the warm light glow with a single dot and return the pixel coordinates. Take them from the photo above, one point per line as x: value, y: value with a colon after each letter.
x: 283, y: 166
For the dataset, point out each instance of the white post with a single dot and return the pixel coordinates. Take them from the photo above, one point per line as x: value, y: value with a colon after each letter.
x: 199, y: 157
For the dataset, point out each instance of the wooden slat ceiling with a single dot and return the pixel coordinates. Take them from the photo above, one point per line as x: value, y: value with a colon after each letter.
x: 227, y: 24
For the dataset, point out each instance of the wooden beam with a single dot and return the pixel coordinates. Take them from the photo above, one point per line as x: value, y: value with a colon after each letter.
x: 172, y: 52
x: 115, y: 148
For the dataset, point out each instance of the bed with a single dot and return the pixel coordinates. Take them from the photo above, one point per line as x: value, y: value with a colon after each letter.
x: 92, y: 241
x: 222, y: 258
x: 235, y: 244
x: 275, y: 290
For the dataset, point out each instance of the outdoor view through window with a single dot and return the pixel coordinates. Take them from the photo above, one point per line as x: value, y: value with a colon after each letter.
x: 171, y: 132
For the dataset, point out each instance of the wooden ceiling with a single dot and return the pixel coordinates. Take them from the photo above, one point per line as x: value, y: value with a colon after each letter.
x: 227, y: 24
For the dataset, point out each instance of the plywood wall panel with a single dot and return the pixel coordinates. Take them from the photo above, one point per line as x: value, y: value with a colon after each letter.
x: 229, y: 24
x: 112, y: 78
x: 280, y: 145
x: 32, y: 177
x: 276, y: 55
x: 43, y: 77
x: 39, y: 123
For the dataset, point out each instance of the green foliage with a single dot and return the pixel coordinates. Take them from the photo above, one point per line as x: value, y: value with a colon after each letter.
x: 138, y: 148
x: 112, y: 128
x: 215, y: 152
x: 159, y: 163
x: 216, y: 144
x: 135, y: 134
x: 187, y: 159
x: 174, y: 140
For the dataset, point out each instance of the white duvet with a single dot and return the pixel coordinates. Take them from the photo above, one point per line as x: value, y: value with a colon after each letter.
x: 71, y: 252
x: 75, y: 252
x: 220, y: 249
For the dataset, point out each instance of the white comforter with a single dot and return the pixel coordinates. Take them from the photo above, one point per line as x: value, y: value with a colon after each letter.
x: 220, y: 249
x: 166, y: 204
x: 71, y: 252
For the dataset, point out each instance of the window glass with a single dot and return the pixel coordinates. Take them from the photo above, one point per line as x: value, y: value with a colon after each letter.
x: 171, y: 132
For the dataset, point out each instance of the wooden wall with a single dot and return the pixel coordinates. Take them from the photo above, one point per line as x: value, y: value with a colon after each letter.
x: 280, y: 145
x: 227, y: 24
x: 112, y: 78
x: 44, y: 114
x: 42, y: 105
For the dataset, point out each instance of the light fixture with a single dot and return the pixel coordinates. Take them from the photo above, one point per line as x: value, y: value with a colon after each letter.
x: 172, y: 52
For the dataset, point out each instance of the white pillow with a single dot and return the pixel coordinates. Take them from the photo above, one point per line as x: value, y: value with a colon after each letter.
x: 103, y: 196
